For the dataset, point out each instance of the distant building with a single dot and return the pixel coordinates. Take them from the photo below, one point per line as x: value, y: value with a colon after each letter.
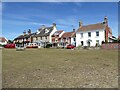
x: 93, y: 34
x: 3, y: 41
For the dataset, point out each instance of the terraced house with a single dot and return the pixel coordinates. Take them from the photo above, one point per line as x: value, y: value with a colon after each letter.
x: 25, y: 38
x: 93, y: 34
x: 68, y: 38
x: 44, y: 35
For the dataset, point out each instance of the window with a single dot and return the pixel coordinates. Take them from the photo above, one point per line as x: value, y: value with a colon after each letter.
x: 89, y: 34
x: 46, y: 37
x: 73, y: 39
x: 97, y: 33
x: 81, y: 35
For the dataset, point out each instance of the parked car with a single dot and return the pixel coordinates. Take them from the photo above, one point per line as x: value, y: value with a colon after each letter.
x: 32, y: 45
x: 70, y: 46
x: 9, y: 46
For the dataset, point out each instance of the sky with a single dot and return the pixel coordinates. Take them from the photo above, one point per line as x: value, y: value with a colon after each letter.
x: 20, y: 16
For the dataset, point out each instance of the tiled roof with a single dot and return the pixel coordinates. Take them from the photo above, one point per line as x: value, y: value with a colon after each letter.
x: 24, y: 36
x: 42, y: 31
x: 97, y: 26
x: 2, y: 39
x: 68, y: 34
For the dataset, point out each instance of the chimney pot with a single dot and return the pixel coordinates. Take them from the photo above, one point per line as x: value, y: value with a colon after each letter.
x: 24, y: 33
x: 54, y: 24
x: 73, y: 30
x: 80, y: 24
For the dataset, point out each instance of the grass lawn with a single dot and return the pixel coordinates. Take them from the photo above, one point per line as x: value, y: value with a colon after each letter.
x: 60, y: 68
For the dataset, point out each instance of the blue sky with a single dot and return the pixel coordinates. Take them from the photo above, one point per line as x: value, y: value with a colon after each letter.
x: 20, y: 16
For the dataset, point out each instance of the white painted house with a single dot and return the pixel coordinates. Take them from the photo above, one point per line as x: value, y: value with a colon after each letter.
x: 3, y: 41
x: 93, y: 34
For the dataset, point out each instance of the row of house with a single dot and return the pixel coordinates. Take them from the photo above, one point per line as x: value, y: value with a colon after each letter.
x: 85, y: 35
x: 45, y: 35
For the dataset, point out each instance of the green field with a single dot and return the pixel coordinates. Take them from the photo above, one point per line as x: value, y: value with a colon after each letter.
x: 59, y: 68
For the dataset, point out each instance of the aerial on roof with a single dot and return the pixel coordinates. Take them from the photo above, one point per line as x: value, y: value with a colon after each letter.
x: 97, y: 26
x: 68, y: 34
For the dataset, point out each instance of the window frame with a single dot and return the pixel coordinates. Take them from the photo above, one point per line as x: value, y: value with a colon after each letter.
x: 89, y: 34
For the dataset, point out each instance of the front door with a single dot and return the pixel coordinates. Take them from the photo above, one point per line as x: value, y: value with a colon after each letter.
x: 89, y: 43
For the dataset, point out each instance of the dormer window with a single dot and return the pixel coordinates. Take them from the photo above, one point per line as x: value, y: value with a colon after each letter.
x: 46, y: 30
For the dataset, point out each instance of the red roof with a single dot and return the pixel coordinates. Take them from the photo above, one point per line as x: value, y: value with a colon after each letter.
x: 2, y: 39
x: 91, y: 27
x: 68, y: 34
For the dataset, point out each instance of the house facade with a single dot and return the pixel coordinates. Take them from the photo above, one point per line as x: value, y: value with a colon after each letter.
x: 93, y: 34
x: 68, y: 38
x: 24, y: 39
x: 56, y: 37
x: 44, y: 34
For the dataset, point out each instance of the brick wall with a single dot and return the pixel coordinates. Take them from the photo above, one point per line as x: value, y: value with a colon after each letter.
x: 111, y: 46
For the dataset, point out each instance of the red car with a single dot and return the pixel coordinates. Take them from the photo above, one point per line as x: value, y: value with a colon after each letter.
x: 10, y: 46
x: 70, y: 46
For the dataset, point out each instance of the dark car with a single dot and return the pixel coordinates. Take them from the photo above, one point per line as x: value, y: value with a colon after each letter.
x: 9, y: 46
x: 70, y: 46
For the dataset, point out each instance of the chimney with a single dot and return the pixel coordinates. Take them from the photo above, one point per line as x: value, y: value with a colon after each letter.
x: 105, y: 20
x: 73, y: 30
x: 43, y: 26
x: 80, y: 24
x: 29, y: 31
x: 24, y: 33
x: 54, y: 24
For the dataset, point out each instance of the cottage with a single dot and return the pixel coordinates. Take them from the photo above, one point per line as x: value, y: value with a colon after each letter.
x: 68, y: 38
x: 56, y: 38
x: 93, y: 34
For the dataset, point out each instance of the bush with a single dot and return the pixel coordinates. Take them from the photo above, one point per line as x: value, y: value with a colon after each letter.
x: 48, y: 45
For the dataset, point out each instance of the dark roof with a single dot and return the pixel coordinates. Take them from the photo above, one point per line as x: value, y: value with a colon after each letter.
x: 68, y: 34
x: 24, y: 36
x: 57, y: 32
x: 97, y: 26
x: 43, y: 30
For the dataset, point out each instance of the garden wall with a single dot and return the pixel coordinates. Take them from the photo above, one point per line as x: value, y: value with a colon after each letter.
x: 111, y: 46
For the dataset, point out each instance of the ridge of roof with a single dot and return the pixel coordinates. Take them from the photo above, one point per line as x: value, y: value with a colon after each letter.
x: 91, y: 27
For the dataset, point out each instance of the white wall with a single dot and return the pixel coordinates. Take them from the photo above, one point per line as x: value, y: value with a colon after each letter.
x: 93, y: 37
x: 61, y: 33
x: 3, y: 43
x: 54, y: 30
